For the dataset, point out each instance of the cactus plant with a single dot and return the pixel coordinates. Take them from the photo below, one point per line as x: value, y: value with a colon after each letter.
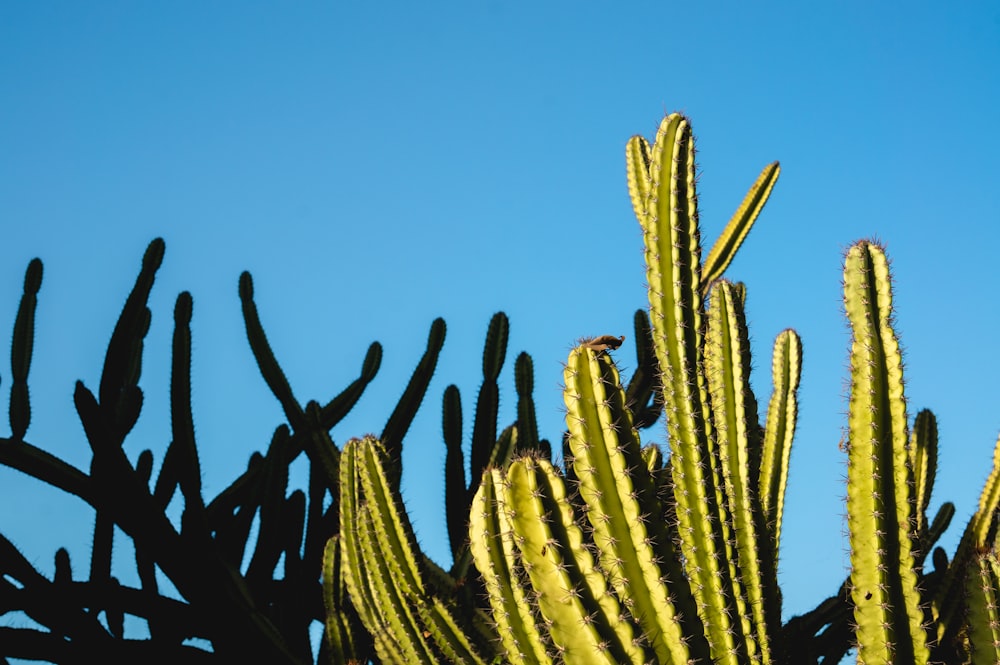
x: 625, y: 555
x: 265, y: 612
x: 631, y: 564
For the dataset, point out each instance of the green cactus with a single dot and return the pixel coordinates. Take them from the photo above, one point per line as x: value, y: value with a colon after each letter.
x: 384, y: 572
x: 887, y: 605
x: 716, y: 597
x: 625, y: 555
x: 983, y: 600
x: 677, y: 561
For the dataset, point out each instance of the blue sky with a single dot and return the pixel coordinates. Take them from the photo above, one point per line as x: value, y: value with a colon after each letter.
x: 378, y: 165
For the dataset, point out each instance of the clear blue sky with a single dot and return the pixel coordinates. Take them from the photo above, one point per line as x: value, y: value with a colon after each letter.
x: 381, y: 164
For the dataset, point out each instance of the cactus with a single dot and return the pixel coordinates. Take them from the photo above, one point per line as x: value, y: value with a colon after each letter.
x: 879, y: 473
x: 384, y: 575
x: 624, y: 555
x: 262, y: 614
x: 722, y: 601
x: 675, y: 561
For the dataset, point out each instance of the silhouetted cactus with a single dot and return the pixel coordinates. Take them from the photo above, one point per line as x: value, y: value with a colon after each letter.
x: 263, y: 615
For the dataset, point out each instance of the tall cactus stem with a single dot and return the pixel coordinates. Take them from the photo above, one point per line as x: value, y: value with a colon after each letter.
x: 20, y: 351
x: 455, y: 486
x: 782, y: 412
x: 887, y: 606
x: 123, y: 361
x: 669, y: 221
x: 978, y: 536
x: 484, y: 426
x: 273, y: 375
x: 181, y: 419
x: 727, y: 366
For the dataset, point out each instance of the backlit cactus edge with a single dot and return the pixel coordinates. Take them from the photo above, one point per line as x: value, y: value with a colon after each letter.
x: 623, y: 555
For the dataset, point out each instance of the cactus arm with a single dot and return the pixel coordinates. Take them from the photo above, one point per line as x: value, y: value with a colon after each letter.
x: 20, y: 351
x: 989, y: 502
x: 455, y: 485
x: 637, y: 161
x: 274, y: 377
x: 484, y: 426
x: 123, y: 361
x: 884, y: 584
x: 524, y: 383
x: 268, y: 549
x: 947, y: 601
x: 938, y: 525
x: 492, y: 545
x: 983, y: 601
x: 727, y: 366
x: 739, y: 225
x: 635, y: 548
x: 181, y: 419
x: 782, y: 411
x: 507, y: 443
x: 338, y: 407
x: 923, y: 460
x: 583, y: 618
x: 406, y: 409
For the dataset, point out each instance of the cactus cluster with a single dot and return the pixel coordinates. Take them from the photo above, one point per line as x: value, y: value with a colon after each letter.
x: 263, y: 612
x: 624, y: 553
